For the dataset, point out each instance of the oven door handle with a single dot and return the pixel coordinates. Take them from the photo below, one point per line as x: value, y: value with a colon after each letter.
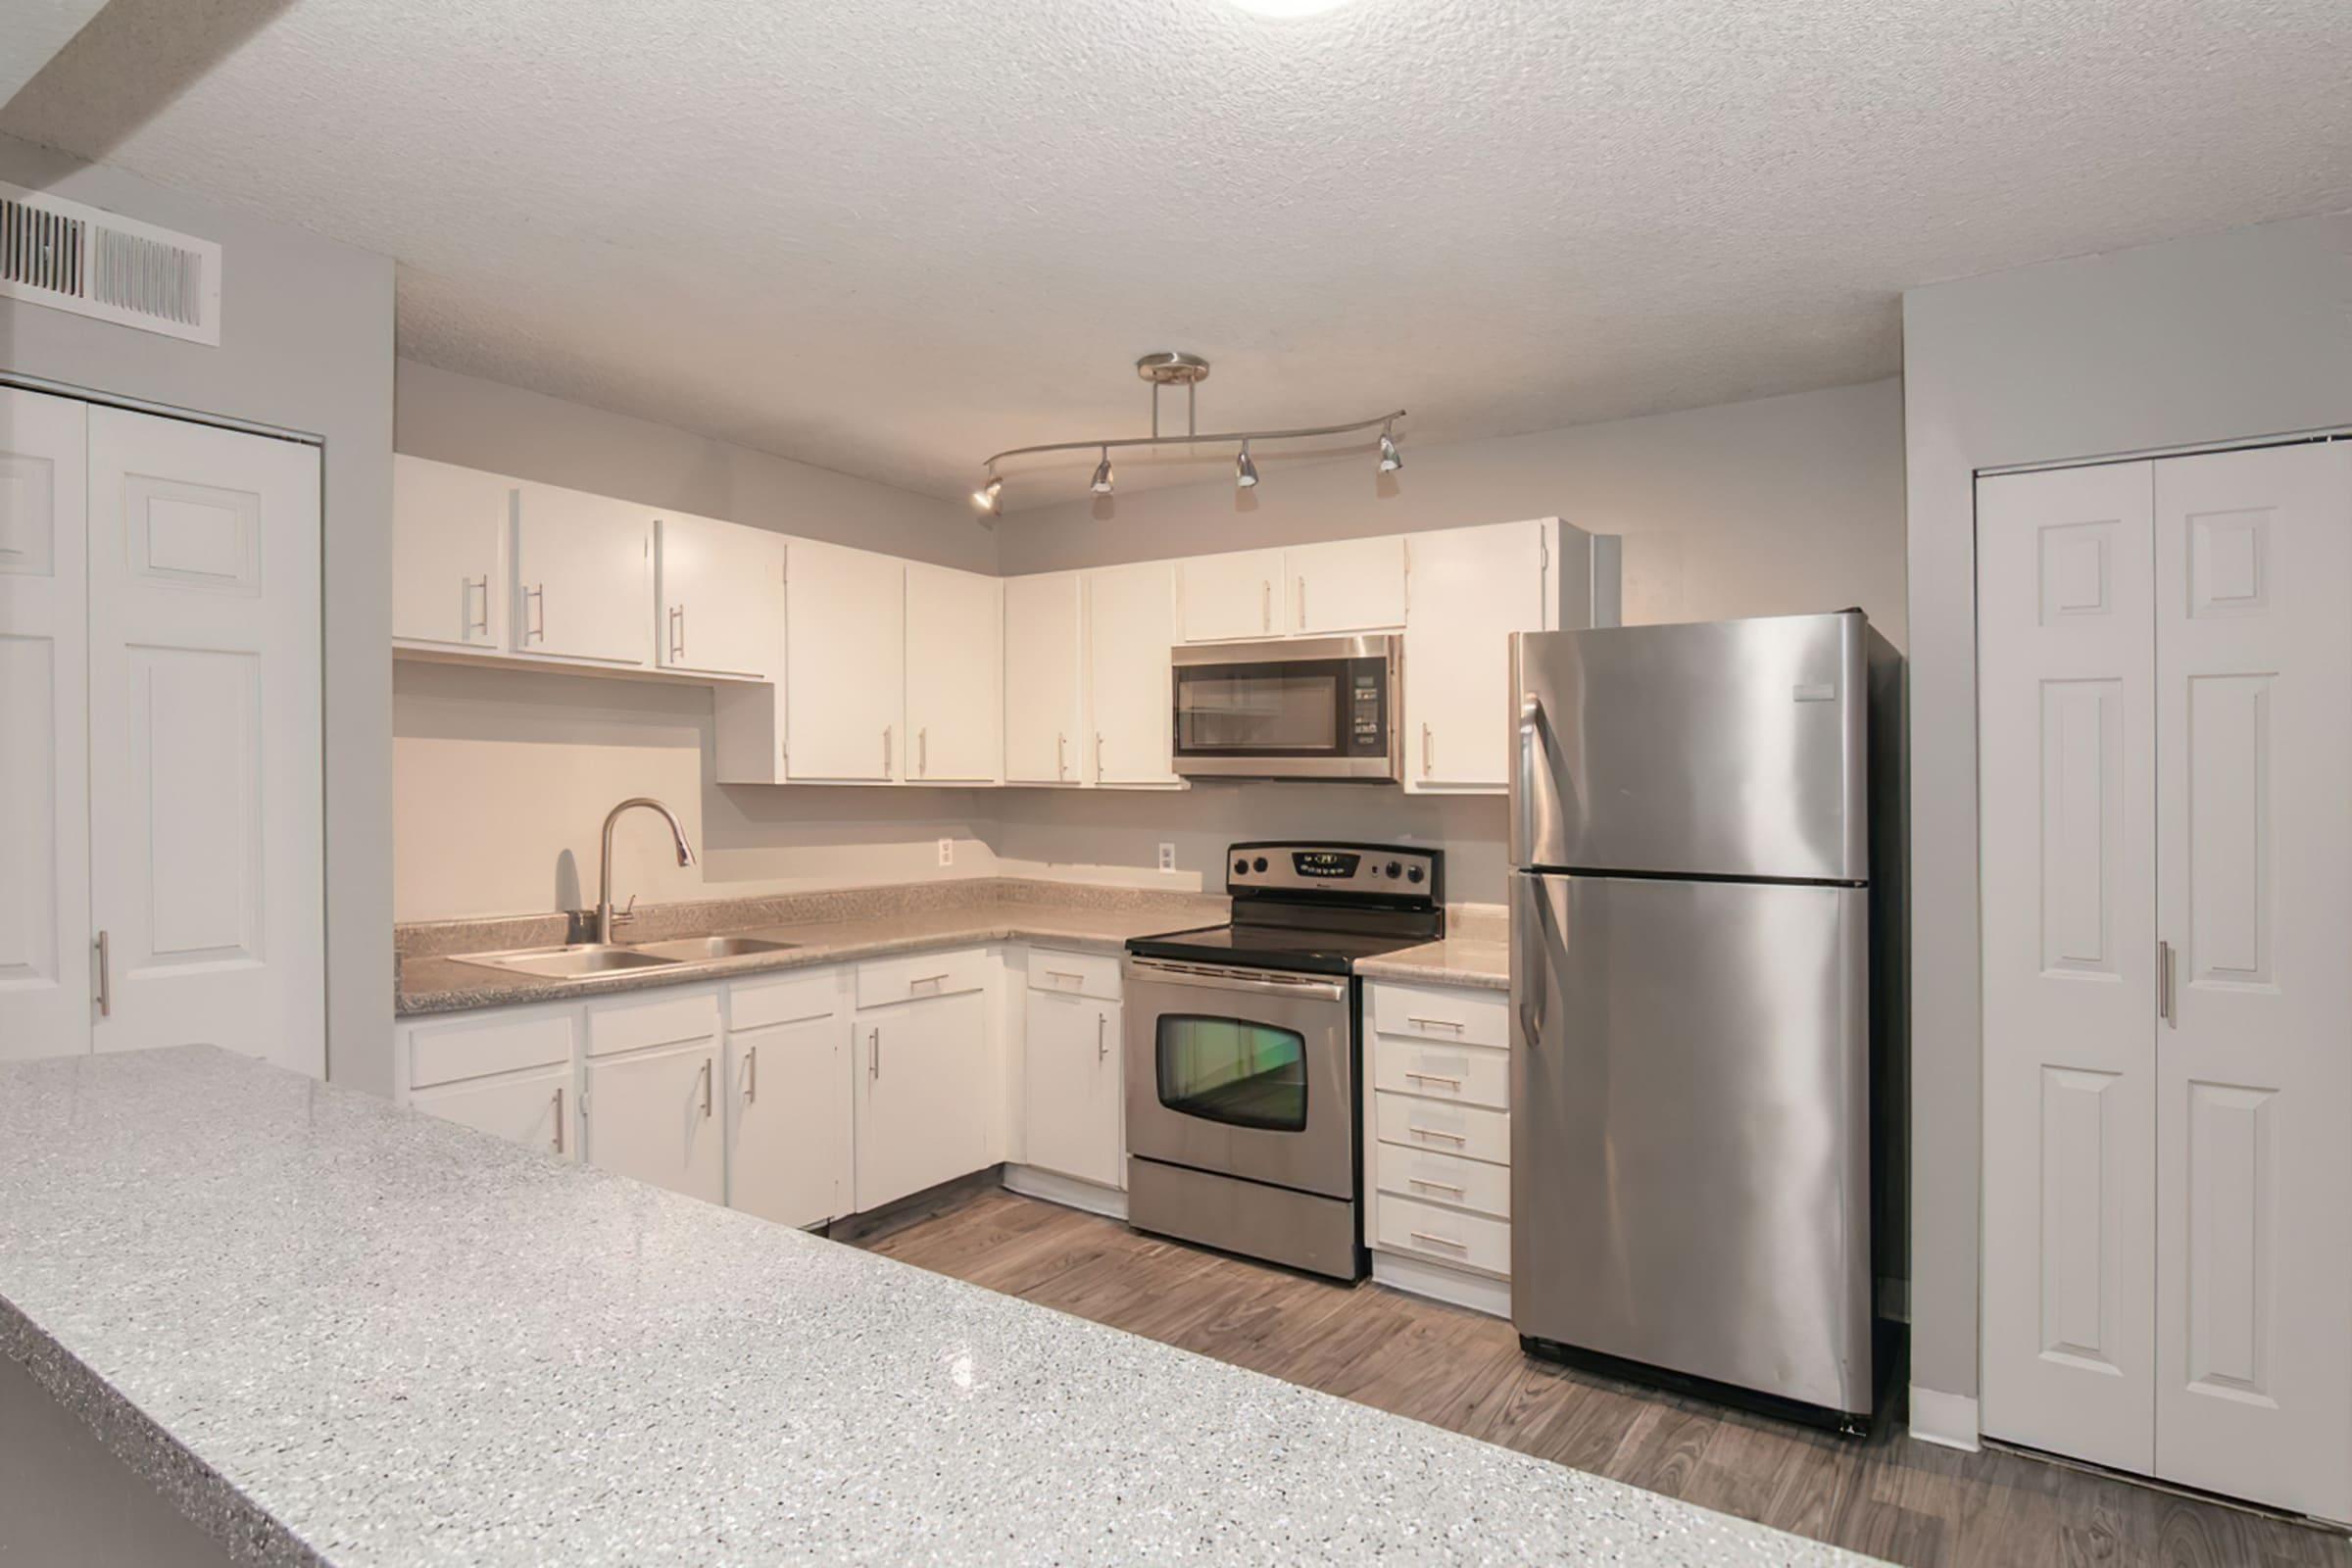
x: 1160, y: 971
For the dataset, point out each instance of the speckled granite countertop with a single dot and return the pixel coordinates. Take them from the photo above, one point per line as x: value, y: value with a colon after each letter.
x: 833, y: 927
x: 1455, y: 961
x: 335, y: 1332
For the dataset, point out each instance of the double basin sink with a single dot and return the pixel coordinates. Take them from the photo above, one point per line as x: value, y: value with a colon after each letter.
x: 586, y: 959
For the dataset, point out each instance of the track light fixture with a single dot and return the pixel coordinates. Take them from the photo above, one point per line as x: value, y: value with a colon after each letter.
x: 1187, y: 370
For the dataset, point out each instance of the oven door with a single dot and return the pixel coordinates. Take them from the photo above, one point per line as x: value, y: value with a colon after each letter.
x: 1241, y: 1072
x: 1307, y: 707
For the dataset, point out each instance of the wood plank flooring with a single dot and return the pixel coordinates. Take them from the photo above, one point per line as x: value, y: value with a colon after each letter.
x: 1909, y: 1502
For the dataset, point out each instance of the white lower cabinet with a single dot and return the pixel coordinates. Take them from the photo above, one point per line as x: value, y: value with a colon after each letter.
x: 922, y: 1084
x: 652, y: 1115
x: 1071, y: 1087
x: 788, y: 1098
x: 1436, y: 1140
x: 536, y: 1109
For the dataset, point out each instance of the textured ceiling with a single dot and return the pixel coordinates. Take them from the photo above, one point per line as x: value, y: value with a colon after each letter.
x: 891, y: 238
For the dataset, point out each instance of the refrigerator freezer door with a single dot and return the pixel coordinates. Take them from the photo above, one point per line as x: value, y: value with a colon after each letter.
x: 1690, y: 1129
x: 1732, y: 747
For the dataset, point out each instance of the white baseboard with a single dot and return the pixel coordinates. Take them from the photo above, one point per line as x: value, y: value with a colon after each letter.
x: 1480, y: 1293
x: 1031, y: 1181
x: 1947, y: 1420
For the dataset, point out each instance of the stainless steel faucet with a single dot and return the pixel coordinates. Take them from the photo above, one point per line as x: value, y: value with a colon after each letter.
x: 604, y: 875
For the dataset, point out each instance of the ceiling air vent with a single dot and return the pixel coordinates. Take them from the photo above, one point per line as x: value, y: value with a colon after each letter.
x: 95, y: 262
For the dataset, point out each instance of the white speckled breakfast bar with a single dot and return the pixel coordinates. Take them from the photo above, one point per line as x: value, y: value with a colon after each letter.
x: 336, y: 1331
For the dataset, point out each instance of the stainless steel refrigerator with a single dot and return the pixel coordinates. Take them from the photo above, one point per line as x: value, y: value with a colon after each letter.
x: 1696, y: 916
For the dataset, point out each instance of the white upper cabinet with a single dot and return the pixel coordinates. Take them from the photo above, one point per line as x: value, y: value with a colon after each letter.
x: 1233, y: 597
x: 1131, y: 618
x: 1471, y: 589
x: 449, y: 554
x: 845, y: 664
x: 954, y: 677
x: 722, y: 597
x: 1346, y: 586
x: 583, y: 578
x: 1044, y: 661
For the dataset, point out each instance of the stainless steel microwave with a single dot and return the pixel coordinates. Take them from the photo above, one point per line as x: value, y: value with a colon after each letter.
x: 1303, y: 708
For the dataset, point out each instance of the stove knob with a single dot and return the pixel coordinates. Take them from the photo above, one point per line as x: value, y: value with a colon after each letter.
x: 1241, y: 868
x: 1414, y: 875
x: 1395, y: 869
x: 1260, y: 864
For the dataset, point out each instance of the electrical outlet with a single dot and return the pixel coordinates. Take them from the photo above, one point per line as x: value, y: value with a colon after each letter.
x: 1167, y: 856
x: 947, y: 852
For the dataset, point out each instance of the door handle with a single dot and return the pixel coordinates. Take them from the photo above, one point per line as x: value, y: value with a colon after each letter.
x: 559, y: 1118
x: 751, y: 1076
x: 2168, y: 1005
x: 483, y: 625
x: 886, y: 751
x: 536, y: 594
x: 1061, y: 754
x: 106, y: 978
x: 1530, y: 717
x: 873, y: 1053
x: 923, y: 752
x: 1098, y: 756
x: 1102, y: 1035
x: 1302, y: 624
x: 1265, y: 609
x: 677, y: 632
x: 706, y: 1089
x: 1425, y: 751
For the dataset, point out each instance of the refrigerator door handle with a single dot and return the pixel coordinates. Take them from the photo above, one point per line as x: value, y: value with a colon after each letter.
x: 1531, y: 719
x: 1533, y: 942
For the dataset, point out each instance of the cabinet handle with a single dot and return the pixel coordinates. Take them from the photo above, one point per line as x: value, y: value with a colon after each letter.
x: 1434, y: 1078
x: 886, y: 751
x: 1432, y: 1132
x: 536, y: 594
x: 1444, y: 1187
x: 1098, y: 756
x: 1102, y: 1035
x: 923, y: 752
x: 751, y: 1076
x: 1302, y: 625
x: 483, y: 625
x: 677, y: 634
x: 1266, y: 607
x: 1438, y: 1023
x: 1061, y: 754
x: 559, y: 1118
x: 1065, y: 974
x: 2167, y: 1005
x: 106, y: 978
x: 1425, y: 751
x: 873, y: 1053
x: 934, y: 981
x: 1439, y: 1241
x: 706, y: 1089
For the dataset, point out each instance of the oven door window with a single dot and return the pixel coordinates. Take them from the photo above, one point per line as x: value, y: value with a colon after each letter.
x: 1241, y: 710
x: 1233, y: 1071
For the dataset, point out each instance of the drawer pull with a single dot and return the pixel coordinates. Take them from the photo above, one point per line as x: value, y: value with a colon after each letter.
x: 1448, y: 1187
x: 1434, y: 1078
x: 1454, y: 1024
x: 932, y: 980
x: 1432, y: 1132
x: 1439, y: 1241
x: 1065, y: 974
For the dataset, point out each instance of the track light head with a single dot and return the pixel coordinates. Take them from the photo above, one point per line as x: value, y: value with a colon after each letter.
x: 990, y: 497
x: 1390, y: 462
x: 1102, y: 474
x: 1244, y: 470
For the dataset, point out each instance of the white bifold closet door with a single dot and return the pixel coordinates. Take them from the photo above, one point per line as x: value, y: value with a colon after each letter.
x: 2166, y: 751
x: 207, y: 847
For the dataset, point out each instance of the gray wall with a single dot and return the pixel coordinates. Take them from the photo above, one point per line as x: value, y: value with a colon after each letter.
x: 487, y: 424
x: 2225, y: 336
x: 306, y: 345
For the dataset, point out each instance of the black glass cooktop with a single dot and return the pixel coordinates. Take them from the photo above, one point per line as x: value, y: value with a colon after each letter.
x: 1276, y: 947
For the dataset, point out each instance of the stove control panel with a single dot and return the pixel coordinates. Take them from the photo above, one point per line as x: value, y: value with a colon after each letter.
x: 1360, y: 868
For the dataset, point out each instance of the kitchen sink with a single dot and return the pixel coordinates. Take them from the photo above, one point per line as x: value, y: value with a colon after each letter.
x: 703, y: 950
x: 568, y: 962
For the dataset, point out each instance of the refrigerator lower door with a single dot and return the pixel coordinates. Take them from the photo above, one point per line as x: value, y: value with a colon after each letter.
x: 1690, y: 1129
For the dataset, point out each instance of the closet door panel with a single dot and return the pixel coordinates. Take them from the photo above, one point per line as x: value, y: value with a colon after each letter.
x: 2066, y: 725
x: 2254, y: 1077
x: 45, y: 747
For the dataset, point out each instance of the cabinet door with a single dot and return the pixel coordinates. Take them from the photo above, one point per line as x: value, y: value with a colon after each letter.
x: 955, y: 676
x: 46, y: 1007
x: 1071, y: 1087
x: 1346, y: 586
x: 655, y: 1116
x: 583, y: 583
x: 921, y: 1084
x: 449, y: 554
x: 2066, y: 723
x: 1471, y: 589
x: 721, y: 595
x: 1130, y: 628
x: 2254, y: 899
x: 531, y: 1108
x: 843, y: 664
x: 787, y: 1106
x: 207, y: 840
x: 1045, y: 654
x: 1232, y: 597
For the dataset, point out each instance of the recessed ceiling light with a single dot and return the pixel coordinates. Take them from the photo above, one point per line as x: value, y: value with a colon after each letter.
x: 1288, y: 8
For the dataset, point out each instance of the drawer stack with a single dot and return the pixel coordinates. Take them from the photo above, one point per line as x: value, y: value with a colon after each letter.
x: 1438, y: 1141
